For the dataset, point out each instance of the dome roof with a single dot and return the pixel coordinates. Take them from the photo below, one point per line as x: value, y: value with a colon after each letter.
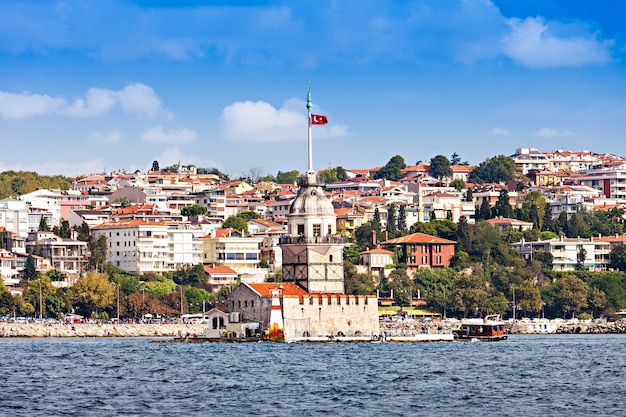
x: 311, y: 200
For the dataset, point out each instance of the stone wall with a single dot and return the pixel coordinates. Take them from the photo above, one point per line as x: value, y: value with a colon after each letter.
x: 99, y: 330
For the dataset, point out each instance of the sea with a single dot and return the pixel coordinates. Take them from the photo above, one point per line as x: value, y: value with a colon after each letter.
x: 527, y: 375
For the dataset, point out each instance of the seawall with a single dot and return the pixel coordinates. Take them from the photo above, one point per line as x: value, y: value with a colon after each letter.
x: 98, y: 330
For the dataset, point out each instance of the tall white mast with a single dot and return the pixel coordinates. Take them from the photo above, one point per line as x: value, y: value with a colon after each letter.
x: 309, y: 106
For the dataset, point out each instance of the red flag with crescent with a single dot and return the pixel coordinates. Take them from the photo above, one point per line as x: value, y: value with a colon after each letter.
x: 318, y: 119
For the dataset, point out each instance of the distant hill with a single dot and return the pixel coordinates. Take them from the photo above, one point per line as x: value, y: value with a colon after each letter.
x: 14, y: 183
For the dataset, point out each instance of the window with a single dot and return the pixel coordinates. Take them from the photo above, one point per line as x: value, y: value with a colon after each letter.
x: 300, y: 229
x: 251, y: 257
x: 317, y: 229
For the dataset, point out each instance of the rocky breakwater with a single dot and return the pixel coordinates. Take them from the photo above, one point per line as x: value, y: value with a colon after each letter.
x: 406, y: 328
x: 593, y: 328
x: 99, y: 330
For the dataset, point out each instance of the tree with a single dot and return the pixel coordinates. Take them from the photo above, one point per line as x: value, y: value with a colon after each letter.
x: 155, y: 166
x: 458, y: 184
x: 30, y: 269
x: 392, y: 225
x: 193, y: 210
x: 237, y: 223
x: 618, y: 257
x: 440, y: 167
x: 401, y: 285
x: 287, y: 177
x: 464, y: 235
x: 468, y: 294
x: 597, y: 300
x: 484, y: 211
x: 527, y: 297
x: 392, y: 170
x: 571, y: 294
x: 503, y: 206
x: 93, y: 291
x: 356, y: 283
x: 469, y: 195
x: 329, y: 175
x: 64, y: 231
x: 37, y: 291
x: 99, y: 250
x: 498, y: 169
x: 581, y: 255
x: 402, y: 226
x: 341, y: 174
x: 190, y: 275
x: 43, y: 225
x: 455, y: 159
x: 533, y: 209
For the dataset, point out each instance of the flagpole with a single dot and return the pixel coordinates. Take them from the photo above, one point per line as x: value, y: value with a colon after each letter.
x: 309, y: 106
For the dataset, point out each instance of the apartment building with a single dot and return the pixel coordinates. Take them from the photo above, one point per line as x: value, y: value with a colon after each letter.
x: 139, y: 246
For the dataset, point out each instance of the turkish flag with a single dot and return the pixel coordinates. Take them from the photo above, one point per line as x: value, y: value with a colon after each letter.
x: 317, y: 119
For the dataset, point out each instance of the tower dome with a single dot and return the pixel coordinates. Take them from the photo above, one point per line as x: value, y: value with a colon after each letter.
x: 311, y: 199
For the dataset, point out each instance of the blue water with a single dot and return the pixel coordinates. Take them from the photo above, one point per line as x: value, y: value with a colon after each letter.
x: 534, y: 375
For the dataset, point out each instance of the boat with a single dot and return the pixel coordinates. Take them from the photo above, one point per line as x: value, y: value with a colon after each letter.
x: 484, y: 329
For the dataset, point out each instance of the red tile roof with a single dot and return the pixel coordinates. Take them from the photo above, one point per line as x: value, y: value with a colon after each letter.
x: 289, y: 289
x: 418, y: 238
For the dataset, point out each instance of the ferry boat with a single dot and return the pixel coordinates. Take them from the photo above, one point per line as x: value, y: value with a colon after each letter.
x: 485, y: 329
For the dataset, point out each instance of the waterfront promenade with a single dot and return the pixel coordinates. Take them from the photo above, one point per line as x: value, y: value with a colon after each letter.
x: 99, y: 330
x: 409, y: 329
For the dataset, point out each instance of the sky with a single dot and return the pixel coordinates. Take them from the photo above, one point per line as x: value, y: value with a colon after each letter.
x: 92, y: 86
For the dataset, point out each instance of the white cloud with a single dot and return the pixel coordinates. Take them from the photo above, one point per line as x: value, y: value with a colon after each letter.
x: 20, y: 106
x: 259, y: 121
x: 531, y: 43
x: 113, y: 136
x: 499, y: 131
x: 158, y: 134
x: 135, y: 98
x: 546, y: 132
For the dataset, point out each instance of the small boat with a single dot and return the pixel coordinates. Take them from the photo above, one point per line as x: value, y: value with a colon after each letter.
x: 485, y: 329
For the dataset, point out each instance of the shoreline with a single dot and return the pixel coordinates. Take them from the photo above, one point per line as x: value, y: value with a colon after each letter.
x: 26, y: 330
x: 395, y: 330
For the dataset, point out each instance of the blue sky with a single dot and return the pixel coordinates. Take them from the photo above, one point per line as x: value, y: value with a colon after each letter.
x: 93, y: 86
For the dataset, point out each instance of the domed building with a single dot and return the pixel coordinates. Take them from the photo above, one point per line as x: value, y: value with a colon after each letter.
x: 312, y: 295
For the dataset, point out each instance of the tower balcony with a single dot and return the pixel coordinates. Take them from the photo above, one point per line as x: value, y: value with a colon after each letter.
x: 312, y: 240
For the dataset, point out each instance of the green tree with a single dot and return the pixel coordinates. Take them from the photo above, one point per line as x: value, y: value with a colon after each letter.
x: 329, y: 175
x: 99, y: 250
x: 498, y: 169
x: 484, y: 211
x: 30, y: 269
x: 503, y: 206
x: 92, y: 292
x: 190, y: 275
x: 533, y: 209
x: 155, y: 166
x: 193, y: 210
x: 342, y: 175
x: 64, y: 231
x: 402, y: 286
x: 458, y: 184
x: 440, y: 167
x: 357, y: 283
x: 527, y: 297
x: 37, y: 291
x: 392, y: 225
x: 401, y: 225
x: 618, y: 257
x: 469, y: 294
x: 237, y: 223
x: 287, y: 177
x: 455, y: 159
x: 571, y: 294
x: 597, y: 300
x: 392, y: 170
x: 43, y: 225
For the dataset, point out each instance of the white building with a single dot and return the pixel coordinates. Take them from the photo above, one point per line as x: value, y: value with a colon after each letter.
x: 566, y: 252
x: 14, y: 216
x: 139, y: 246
